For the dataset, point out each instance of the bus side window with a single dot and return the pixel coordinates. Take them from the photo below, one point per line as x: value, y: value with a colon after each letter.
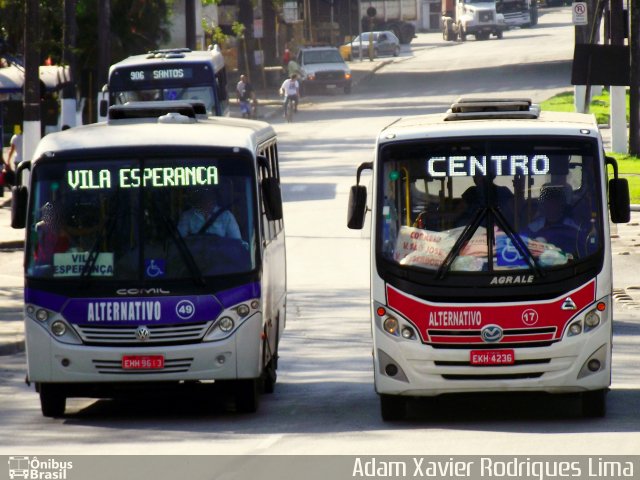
x: 271, y: 227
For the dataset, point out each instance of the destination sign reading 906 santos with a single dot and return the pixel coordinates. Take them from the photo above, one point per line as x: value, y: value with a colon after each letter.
x: 86, y: 179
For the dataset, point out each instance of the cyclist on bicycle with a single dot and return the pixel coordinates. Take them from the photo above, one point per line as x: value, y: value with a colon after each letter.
x: 291, y: 90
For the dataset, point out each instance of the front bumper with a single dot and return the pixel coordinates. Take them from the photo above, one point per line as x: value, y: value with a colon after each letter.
x: 237, y: 356
x: 427, y: 371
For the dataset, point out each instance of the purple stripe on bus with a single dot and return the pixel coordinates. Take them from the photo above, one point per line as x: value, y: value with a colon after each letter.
x: 239, y: 294
x: 143, y: 310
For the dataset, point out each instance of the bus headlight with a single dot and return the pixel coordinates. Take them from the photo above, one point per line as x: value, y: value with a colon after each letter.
x: 226, y: 324
x: 243, y: 310
x: 591, y: 320
x: 390, y: 326
x: 58, y: 328
x: 42, y: 315
x: 408, y: 333
x: 575, y: 329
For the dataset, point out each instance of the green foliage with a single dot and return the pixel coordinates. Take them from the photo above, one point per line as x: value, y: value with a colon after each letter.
x: 238, y: 29
x: 599, y: 105
x: 629, y: 168
x: 136, y: 27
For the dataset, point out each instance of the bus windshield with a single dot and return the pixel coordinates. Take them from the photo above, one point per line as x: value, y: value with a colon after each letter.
x: 202, y: 94
x: 483, y: 206
x: 157, y: 218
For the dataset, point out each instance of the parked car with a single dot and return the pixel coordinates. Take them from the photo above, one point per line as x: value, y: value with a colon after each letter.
x: 384, y: 43
x: 323, y: 68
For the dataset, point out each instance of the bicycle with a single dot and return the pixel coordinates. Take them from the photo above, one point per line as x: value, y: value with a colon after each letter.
x: 290, y: 107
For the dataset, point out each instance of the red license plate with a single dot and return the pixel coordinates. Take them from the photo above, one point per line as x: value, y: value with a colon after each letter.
x: 142, y: 362
x: 492, y: 357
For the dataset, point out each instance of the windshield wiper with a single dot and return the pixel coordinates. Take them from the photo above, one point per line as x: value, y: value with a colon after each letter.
x: 185, y: 252
x: 523, y: 250
x: 105, y: 233
x: 464, y: 237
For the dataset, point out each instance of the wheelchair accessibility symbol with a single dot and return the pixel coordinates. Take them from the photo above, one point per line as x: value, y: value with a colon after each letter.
x: 508, y: 255
x: 154, y: 267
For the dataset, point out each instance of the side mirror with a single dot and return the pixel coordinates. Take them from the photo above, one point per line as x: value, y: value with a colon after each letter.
x: 357, y: 207
x: 19, y: 195
x: 619, y: 204
x: 104, y: 108
x: 272, y: 198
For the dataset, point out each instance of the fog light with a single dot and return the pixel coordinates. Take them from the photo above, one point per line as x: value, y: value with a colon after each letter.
x: 594, y: 365
x: 592, y: 319
x: 408, y: 333
x: 255, y: 304
x: 221, y: 359
x: 31, y: 309
x: 243, y: 310
x: 65, y: 362
x: 391, y: 370
x: 58, y: 328
x: 42, y: 315
x: 575, y: 329
x: 391, y: 326
x: 226, y: 324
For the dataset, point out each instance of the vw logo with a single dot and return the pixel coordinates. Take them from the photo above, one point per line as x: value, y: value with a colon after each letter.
x: 142, y: 333
x: 491, y: 333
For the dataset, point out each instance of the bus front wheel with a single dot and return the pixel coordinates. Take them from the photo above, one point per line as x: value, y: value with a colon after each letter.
x: 393, y: 407
x: 594, y: 403
x: 52, y: 400
x: 247, y: 395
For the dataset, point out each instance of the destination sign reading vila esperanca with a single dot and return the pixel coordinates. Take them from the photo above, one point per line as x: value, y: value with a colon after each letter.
x: 86, y: 179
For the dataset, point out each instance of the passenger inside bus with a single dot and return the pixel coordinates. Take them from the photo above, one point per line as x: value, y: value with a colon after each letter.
x: 554, y: 227
x: 477, y: 197
x: 52, y: 236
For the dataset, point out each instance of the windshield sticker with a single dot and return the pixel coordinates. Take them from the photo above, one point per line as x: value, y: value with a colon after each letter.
x: 470, y: 166
x: 71, y: 264
x: 149, y: 177
x: 155, y: 267
x: 426, y: 248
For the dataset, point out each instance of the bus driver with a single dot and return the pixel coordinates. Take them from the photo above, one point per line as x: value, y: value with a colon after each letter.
x: 207, y: 216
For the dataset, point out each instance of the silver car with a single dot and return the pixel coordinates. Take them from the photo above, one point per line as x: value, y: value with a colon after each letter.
x: 384, y: 43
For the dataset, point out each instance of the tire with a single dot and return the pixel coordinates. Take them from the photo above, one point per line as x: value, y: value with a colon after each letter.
x: 396, y: 51
x: 52, y: 400
x: 247, y: 395
x: 499, y: 35
x: 269, y: 377
x: 347, y: 89
x: 393, y: 407
x: 594, y: 403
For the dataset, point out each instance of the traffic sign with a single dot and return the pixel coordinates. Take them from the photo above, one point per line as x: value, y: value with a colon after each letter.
x: 579, y: 10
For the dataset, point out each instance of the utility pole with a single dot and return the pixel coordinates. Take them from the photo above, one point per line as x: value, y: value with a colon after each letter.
x: 634, y: 90
x: 31, y: 92
x: 69, y: 34
x: 104, y: 48
x: 618, y: 93
x: 190, y: 23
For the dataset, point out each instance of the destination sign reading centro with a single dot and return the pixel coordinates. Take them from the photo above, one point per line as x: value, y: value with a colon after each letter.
x: 470, y: 166
x: 148, y: 177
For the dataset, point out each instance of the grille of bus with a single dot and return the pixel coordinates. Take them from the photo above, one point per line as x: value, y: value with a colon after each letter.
x: 158, y: 334
x: 176, y: 365
x: 519, y: 337
x: 504, y: 376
